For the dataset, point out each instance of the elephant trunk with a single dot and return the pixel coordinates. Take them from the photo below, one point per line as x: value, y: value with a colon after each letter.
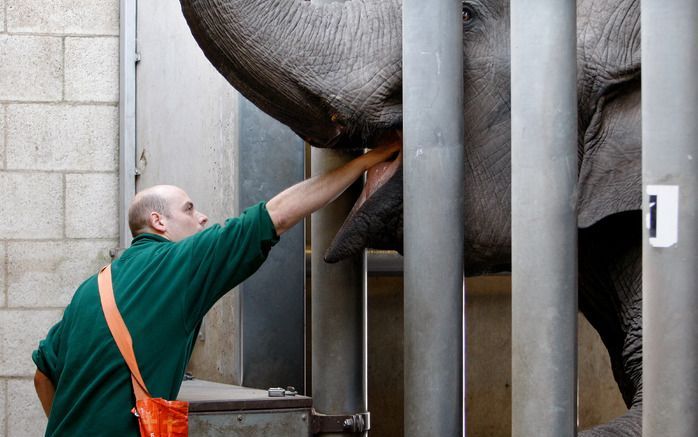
x: 316, y: 68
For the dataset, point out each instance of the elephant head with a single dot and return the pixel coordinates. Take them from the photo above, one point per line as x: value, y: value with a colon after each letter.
x: 332, y: 72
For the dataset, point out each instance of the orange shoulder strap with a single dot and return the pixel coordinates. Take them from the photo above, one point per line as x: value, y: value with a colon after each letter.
x: 119, y: 331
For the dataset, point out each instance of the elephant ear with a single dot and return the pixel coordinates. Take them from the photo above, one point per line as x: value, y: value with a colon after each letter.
x: 610, y: 174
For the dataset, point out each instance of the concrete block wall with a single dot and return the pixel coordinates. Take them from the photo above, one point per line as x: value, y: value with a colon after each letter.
x: 59, y: 88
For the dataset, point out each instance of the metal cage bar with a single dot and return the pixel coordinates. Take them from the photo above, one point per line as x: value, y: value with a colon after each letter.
x: 670, y: 243
x: 338, y: 304
x: 544, y: 223
x: 433, y: 217
x: 339, y: 381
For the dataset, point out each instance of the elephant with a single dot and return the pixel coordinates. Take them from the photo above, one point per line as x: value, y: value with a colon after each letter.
x: 332, y: 72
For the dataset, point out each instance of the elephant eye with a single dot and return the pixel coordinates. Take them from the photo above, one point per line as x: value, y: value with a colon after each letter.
x: 467, y: 14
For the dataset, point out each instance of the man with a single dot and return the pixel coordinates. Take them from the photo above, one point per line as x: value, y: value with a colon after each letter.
x: 164, y: 283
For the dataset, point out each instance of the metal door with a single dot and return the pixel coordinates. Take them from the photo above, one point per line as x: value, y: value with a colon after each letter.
x: 190, y: 125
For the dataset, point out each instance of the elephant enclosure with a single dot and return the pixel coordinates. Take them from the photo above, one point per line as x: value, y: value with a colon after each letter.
x: 202, y: 109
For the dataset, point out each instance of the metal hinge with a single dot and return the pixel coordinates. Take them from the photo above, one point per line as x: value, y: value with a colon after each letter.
x: 115, y: 252
x: 355, y: 423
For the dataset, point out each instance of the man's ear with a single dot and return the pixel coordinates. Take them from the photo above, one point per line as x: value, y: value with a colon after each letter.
x: 157, y: 222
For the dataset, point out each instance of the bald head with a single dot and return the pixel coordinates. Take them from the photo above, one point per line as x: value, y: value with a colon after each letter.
x: 153, y: 199
x: 165, y: 210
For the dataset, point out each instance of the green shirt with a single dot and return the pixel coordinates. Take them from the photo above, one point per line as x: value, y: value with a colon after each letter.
x: 162, y: 289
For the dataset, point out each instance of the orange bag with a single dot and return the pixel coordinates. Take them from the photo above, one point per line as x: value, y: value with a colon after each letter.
x: 157, y: 417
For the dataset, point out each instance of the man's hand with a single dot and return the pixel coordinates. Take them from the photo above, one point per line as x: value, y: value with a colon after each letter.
x: 45, y: 390
x: 381, y: 153
x: 293, y: 204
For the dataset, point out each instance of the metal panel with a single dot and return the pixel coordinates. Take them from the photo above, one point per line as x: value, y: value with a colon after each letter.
x: 218, y: 410
x: 127, y: 116
x: 187, y: 134
x: 544, y: 224
x: 210, y: 397
x: 433, y: 210
x: 196, y: 132
x: 271, y: 158
x: 670, y: 245
x: 187, y: 126
x: 276, y: 423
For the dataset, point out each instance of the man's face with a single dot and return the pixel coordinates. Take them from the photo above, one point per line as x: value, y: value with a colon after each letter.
x: 182, y: 220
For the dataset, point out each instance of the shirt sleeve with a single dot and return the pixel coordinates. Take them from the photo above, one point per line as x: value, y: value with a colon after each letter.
x: 223, y: 256
x: 46, y: 355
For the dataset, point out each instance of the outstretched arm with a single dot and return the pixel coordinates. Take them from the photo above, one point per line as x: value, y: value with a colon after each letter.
x: 293, y: 204
x: 45, y: 390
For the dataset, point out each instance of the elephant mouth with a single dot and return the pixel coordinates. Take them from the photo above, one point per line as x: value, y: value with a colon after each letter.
x: 376, y: 219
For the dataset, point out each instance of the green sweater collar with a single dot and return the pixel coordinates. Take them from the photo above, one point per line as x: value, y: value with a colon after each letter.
x: 148, y: 238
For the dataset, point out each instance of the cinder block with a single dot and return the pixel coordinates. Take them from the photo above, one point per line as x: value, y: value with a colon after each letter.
x: 25, y: 417
x: 31, y: 68
x: 34, y: 205
x: 89, y: 17
x: 46, y: 274
x: 92, y: 69
x: 3, y: 394
x: 91, y: 209
x: 2, y: 29
x: 3, y: 273
x: 20, y: 333
x: 46, y: 137
x: 2, y: 135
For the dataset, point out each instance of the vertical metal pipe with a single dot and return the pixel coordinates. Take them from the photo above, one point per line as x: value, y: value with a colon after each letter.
x: 338, y: 304
x: 338, y: 307
x: 544, y: 223
x: 127, y: 116
x: 433, y: 216
x: 670, y: 245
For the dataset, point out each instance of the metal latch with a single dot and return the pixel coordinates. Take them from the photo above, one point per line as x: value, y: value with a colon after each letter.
x: 278, y: 392
x: 355, y: 423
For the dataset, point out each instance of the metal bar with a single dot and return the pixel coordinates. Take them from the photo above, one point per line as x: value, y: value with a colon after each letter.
x: 670, y: 246
x: 338, y: 299
x: 127, y: 116
x: 338, y: 304
x: 273, y: 299
x: 544, y: 220
x: 433, y: 217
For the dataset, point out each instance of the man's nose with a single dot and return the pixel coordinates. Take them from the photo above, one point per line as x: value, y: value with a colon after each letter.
x: 203, y: 220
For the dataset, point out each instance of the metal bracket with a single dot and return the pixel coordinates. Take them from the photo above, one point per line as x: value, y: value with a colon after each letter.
x: 355, y: 423
x: 278, y: 392
x: 115, y: 252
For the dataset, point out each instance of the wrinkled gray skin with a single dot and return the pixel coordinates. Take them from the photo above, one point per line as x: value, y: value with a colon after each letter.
x: 333, y: 74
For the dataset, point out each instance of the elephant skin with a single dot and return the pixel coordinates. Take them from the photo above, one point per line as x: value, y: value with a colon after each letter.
x: 333, y: 73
